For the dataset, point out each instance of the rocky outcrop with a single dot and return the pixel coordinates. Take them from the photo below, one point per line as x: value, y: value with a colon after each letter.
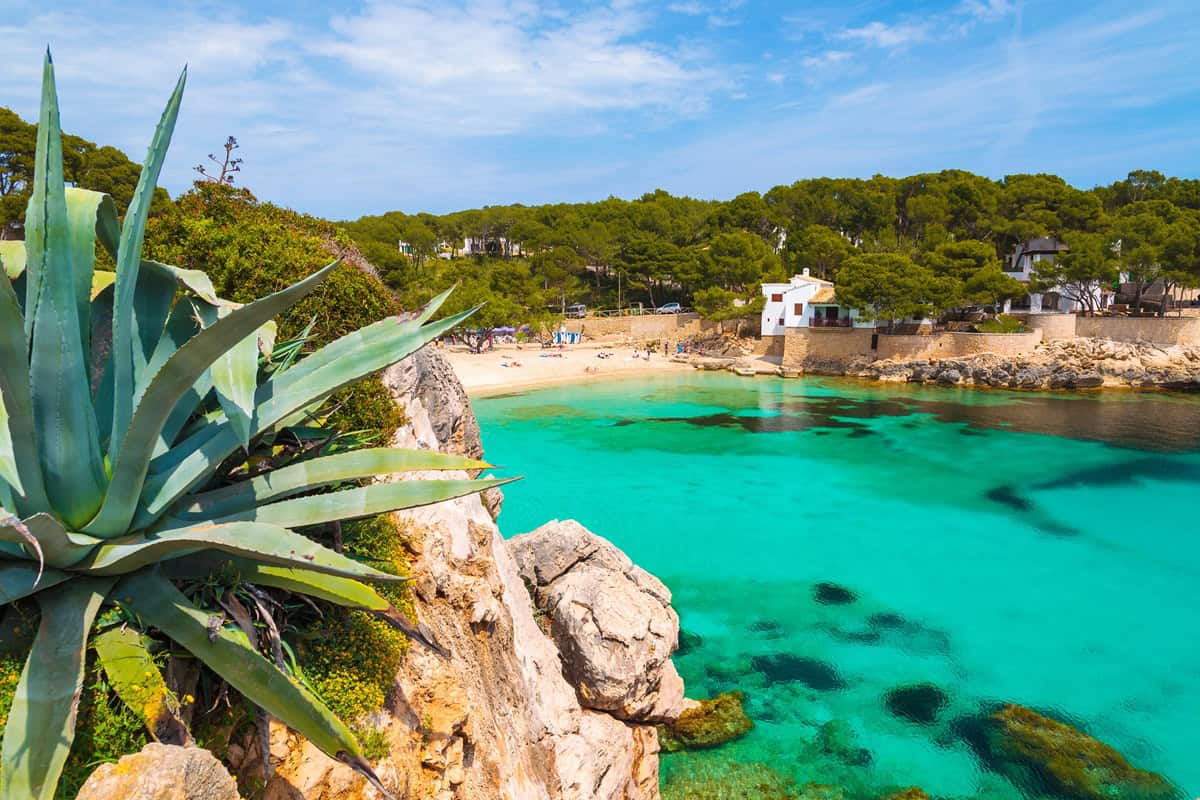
x: 612, y: 621
x: 1065, y: 364
x: 161, y: 772
x: 709, y: 723
x: 497, y: 720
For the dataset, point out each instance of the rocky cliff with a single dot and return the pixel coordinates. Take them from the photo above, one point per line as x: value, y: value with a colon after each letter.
x: 499, y: 718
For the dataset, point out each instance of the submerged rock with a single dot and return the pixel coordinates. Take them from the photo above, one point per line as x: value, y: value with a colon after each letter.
x: 830, y: 594
x: 696, y: 779
x: 920, y: 703
x: 821, y: 791
x: 688, y: 642
x: 709, y: 724
x: 836, y: 739
x: 812, y: 672
x: 1065, y: 761
x: 911, y: 793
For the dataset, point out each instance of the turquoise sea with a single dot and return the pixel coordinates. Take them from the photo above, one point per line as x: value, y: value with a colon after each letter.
x: 828, y: 541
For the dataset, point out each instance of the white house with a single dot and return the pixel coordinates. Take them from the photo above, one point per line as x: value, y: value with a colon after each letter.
x: 1022, y: 264
x: 804, y: 302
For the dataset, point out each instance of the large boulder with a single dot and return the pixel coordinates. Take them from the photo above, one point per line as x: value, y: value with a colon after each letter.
x: 162, y: 772
x: 612, y: 621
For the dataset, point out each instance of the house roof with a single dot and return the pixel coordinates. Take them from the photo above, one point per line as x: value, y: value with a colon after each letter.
x: 824, y: 296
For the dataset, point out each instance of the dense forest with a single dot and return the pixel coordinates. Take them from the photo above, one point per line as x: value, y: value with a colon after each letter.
x: 904, y: 246
x: 942, y: 237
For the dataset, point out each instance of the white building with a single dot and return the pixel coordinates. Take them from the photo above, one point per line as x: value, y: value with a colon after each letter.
x: 1022, y: 264
x: 804, y: 302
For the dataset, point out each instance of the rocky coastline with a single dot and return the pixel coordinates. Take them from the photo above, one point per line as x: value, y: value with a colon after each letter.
x: 559, y: 667
x: 1080, y: 363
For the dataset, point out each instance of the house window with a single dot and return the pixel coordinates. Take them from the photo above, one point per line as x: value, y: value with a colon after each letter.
x: 777, y: 298
x: 799, y: 309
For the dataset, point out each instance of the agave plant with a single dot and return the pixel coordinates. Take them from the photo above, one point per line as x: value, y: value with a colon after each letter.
x: 121, y: 394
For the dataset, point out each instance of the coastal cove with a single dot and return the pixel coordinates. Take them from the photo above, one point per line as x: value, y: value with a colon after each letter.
x: 829, y: 541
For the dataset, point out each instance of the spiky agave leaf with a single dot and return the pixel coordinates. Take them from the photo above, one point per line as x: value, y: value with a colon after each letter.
x: 122, y: 361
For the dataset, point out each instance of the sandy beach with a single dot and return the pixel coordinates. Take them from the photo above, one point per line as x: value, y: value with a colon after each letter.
x: 508, y: 368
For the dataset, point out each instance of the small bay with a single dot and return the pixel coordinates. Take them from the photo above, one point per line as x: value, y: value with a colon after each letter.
x: 829, y: 542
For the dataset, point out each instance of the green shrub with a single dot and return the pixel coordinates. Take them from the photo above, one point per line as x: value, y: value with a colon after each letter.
x: 1001, y: 324
x: 250, y: 249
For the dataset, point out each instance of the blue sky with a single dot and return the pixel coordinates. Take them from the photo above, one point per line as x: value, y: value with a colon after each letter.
x: 347, y: 108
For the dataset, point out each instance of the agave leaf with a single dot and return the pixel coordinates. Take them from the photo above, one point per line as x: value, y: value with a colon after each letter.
x: 20, y: 579
x: 182, y: 325
x: 83, y: 213
x: 137, y: 681
x: 152, y: 597
x: 101, y: 280
x: 390, y: 329
x: 270, y: 544
x: 341, y: 591
x: 190, y: 461
x: 59, y: 272
x: 364, y: 501
x: 12, y: 255
x: 129, y: 260
x: 8, y: 457
x: 153, y: 296
x: 235, y: 377
x: 17, y: 541
x: 169, y: 385
x: 295, y: 478
x: 62, y: 548
x: 18, y: 402
x: 41, y: 724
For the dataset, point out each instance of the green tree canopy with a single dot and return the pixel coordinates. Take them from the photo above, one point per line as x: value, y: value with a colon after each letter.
x: 892, y: 287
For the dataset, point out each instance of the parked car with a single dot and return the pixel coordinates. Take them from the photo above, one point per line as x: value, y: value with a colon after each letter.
x: 669, y: 308
x: 576, y: 311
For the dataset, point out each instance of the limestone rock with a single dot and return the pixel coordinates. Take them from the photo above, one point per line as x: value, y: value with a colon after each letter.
x: 612, y: 621
x: 161, y: 772
x: 496, y: 720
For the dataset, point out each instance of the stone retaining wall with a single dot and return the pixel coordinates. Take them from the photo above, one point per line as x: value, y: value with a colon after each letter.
x: 831, y: 349
x: 955, y: 344
x: 1166, y: 330
x: 769, y: 346
x: 673, y: 327
x: 1054, y: 327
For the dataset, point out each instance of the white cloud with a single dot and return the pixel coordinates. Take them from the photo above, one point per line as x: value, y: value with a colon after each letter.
x: 987, y: 10
x: 883, y: 35
x: 481, y: 68
x: 690, y: 8
x: 827, y: 59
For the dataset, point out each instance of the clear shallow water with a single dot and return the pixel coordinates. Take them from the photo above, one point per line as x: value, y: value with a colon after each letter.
x: 1037, y: 549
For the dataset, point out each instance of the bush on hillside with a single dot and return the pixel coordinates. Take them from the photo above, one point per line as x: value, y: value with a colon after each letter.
x: 250, y: 249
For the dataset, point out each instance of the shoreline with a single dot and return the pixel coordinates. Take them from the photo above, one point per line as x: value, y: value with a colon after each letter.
x: 497, y: 372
